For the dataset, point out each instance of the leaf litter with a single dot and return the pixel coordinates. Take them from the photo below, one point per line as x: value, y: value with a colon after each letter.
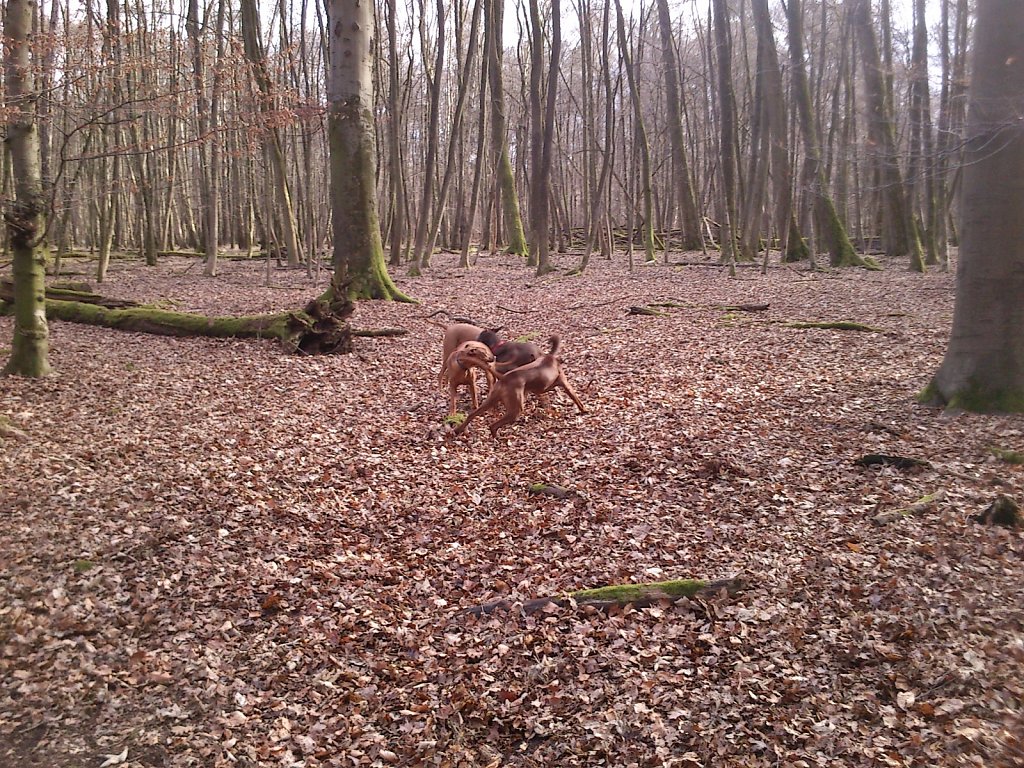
x: 220, y: 554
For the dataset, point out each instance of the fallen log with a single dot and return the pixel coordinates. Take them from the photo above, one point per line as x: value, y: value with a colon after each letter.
x: 744, y: 307
x: 317, y: 329
x: 922, y: 506
x: 648, y: 311
x: 841, y: 325
x: 638, y: 595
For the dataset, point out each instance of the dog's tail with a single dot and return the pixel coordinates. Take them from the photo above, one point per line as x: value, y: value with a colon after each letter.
x: 556, y: 344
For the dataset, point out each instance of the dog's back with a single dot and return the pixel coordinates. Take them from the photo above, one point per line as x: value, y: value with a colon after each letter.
x: 455, y: 335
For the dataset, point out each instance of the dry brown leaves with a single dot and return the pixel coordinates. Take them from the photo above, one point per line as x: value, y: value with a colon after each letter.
x: 219, y: 554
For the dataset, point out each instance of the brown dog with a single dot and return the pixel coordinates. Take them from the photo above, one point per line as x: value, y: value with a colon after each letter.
x: 454, y: 335
x: 509, y: 389
x: 509, y: 354
x: 458, y: 371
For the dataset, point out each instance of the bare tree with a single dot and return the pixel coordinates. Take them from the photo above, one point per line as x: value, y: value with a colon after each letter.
x: 499, y: 139
x: 26, y: 217
x: 686, y: 203
x: 643, y: 148
x: 359, y: 267
x: 901, y: 230
x: 827, y: 222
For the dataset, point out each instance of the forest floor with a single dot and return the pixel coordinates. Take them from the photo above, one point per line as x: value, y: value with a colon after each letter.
x: 215, y: 553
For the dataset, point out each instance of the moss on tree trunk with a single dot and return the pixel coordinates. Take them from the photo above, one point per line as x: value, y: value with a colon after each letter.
x: 318, y: 329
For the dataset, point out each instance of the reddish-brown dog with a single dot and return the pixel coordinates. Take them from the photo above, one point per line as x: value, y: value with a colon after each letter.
x: 509, y: 389
x: 454, y: 335
x: 458, y: 371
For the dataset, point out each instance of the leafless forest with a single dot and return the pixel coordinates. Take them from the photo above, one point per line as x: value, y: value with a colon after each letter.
x: 644, y: 125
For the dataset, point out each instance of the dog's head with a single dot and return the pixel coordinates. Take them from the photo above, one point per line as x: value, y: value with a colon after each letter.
x: 490, y: 338
x: 474, y: 354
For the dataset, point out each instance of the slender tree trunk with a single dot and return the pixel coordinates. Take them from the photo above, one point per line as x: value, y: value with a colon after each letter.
x: 776, y: 119
x: 451, y: 166
x: 902, y: 227
x: 257, y: 58
x: 421, y: 258
x: 641, y: 137
x: 829, y: 225
x: 395, y: 135
x: 26, y: 217
x: 682, y: 187
x: 543, y: 133
x: 499, y: 140
x: 727, y: 133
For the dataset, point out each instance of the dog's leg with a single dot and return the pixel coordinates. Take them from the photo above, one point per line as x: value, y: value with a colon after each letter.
x: 487, y: 404
x: 471, y: 375
x: 563, y: 382
x: 513, y: 402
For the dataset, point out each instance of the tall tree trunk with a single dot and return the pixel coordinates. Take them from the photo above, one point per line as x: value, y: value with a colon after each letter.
x: 641, y: 136
x: 682, y: 186
x: 395, y: 135
x: 499, y: 139
x: 829, y: 225
x: 791, y: 243
x: 359, y: 267
x: 253, y: 45
x: 26, y: 217
x: 450, y: 166
x: 543, y: 132
x: 598, y: 195
x: 421, y: 258
x: 983, y: 369
x: 902, y: 228
x: 478, y: 166
x: 727, y: 134
x: 921, y: 172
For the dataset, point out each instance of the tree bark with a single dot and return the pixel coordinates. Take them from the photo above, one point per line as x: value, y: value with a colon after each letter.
x: 318, y: 329
x: 26, y: 216
x: 499, y: 139
x: 641, y: 136
x: 983, y: 368
x: 358, y: 251
x: 421, y: 256
x: 543, y: 133
x: 832, y: 228
x: 682, y: 185
x: 254, y: 53
x: 903, y: 237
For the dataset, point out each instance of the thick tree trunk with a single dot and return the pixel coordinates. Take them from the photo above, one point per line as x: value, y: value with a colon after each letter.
x: 26, y: 217
x: 983, y: 369
x: 358, y: 250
